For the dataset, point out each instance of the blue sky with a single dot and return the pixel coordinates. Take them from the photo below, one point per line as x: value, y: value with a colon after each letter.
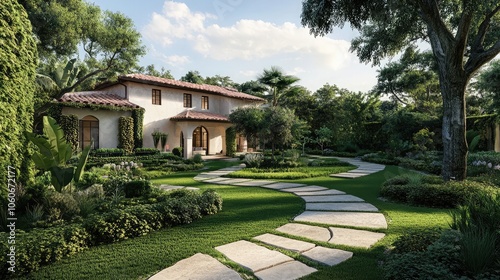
x: 240, y: 38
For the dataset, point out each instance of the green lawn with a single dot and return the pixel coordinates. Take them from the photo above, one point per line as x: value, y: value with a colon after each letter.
x: 247, y: 212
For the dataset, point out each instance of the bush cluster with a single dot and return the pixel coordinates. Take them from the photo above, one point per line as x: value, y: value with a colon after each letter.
x: 430, y: 191
x: 126, y: 134
x: 43, y: 246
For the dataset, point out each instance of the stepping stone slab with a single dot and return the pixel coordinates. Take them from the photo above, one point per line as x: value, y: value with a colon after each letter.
x: 170, y: 188
x: 305, y: 189
x: 346, y: 175
x: 279, y: 186
x: 285, y: 243
x: 355, y: 237
x: 327, y: 192
x: 332, y: 198
x: 252, y: 256
x: 197, y: 267
x: 353, y: 219
x: 310, y: 232
x: 327, y: 256
x: 254, y: 183
x: 216, y: 180
x: 342, y: 206
x: 289, y: 271
x: 233, y: 181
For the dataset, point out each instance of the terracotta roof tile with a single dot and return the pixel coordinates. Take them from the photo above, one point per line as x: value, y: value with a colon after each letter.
x: 224, y: 91
x: 97, y: 98
x: 190, y: 115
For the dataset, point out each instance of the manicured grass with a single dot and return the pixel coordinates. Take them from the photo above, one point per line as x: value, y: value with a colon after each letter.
x: 247, y: 212
x: 289, y: 173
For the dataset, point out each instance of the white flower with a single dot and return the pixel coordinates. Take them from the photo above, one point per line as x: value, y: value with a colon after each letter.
x: 490, y: 165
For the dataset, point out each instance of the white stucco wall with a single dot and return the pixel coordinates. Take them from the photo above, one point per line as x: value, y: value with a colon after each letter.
x: 157, y: 117
x: 108, y: 123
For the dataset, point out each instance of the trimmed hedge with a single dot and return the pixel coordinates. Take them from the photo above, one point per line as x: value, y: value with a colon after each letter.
x: 138, y: 118
x: 146, y: 151
x: 126, y: 134
x: 43, y: 246
x: 429, y: 192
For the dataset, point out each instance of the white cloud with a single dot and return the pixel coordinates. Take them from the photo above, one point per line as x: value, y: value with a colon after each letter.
x: 245, y: 40
x: 177, y: 60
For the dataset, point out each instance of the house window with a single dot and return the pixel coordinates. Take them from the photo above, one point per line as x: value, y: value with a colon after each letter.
x: 156, y: 96
x: 188, y: 100
x: 89, y: 131
x: 204, y: 102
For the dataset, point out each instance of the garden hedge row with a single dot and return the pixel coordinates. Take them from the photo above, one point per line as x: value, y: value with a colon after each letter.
x: 43, y: 246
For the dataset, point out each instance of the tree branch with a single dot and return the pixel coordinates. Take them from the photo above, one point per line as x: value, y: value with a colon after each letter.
x: 477, y: 45
x: 478, y: 59
x: 431, y: 15
x: 462, y: 33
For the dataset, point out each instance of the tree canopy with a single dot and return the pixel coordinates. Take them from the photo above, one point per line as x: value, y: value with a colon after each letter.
x: 463, y: 34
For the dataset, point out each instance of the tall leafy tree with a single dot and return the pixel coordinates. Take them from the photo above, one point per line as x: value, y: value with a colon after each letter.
x: 222, y: 81
x: 111, y: 46
x: 253, y: 88
x: 277, y: 82
x: 193, y: 77
x: 248, y: 121
x: 488, y: 86
x: 152, y: 71
x: 464, y: 35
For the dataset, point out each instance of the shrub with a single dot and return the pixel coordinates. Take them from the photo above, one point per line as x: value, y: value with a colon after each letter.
x: 197, y: 158
x: 43, y: 246
x: 115, y: 184
x: 61, y: 206
x: 416, y: 240
x: 137, y: 188
x: 177, y: 151
x: 210, y: 202
x: 253, y: 160
x: 88, y: 179
x: 441, y: 260
x: 397, y: 193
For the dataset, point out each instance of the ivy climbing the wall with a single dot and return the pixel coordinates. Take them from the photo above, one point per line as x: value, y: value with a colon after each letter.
x: 69, y: 124
x: 126, y: 134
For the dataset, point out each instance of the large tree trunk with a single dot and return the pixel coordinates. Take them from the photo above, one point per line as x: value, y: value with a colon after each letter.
x: 455, y: 147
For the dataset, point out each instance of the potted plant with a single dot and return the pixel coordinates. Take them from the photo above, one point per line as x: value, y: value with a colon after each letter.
x: 156, y: 137
x: 163, y: 139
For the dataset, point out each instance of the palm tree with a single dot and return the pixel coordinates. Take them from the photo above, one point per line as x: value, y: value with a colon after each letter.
x: 277, y: 82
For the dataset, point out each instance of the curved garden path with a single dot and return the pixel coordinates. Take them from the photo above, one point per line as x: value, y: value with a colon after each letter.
x: 324, y: 206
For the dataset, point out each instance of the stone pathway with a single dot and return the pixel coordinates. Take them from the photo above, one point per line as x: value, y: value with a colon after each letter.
x: 324, y: 206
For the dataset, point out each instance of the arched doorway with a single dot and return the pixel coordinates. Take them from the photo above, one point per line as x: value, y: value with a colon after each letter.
x: 200, y: 139
x: 89, y: 131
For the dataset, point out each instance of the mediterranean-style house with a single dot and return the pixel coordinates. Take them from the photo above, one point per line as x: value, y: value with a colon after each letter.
x: 194, y: 116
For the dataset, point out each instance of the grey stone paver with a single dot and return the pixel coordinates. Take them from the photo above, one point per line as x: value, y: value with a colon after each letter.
x: 346, y: 175
x: 170, y: 188
x: 310, y: 232
x: 305, y: 189
x: 254, y: 183
x: 326, y: 192
x: 332, y: 198
x: 252, y: 256
x: 202, y: 178
x: 327, y: 256
x: 232, y: 181
x: 289, y: 271
x: 354, y: 219
x: 281, y: 185
x: 285, y: 243
x: 355, y: 237
x: 197, y: 267
x: 342, y: 206
x: 215, y: 180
